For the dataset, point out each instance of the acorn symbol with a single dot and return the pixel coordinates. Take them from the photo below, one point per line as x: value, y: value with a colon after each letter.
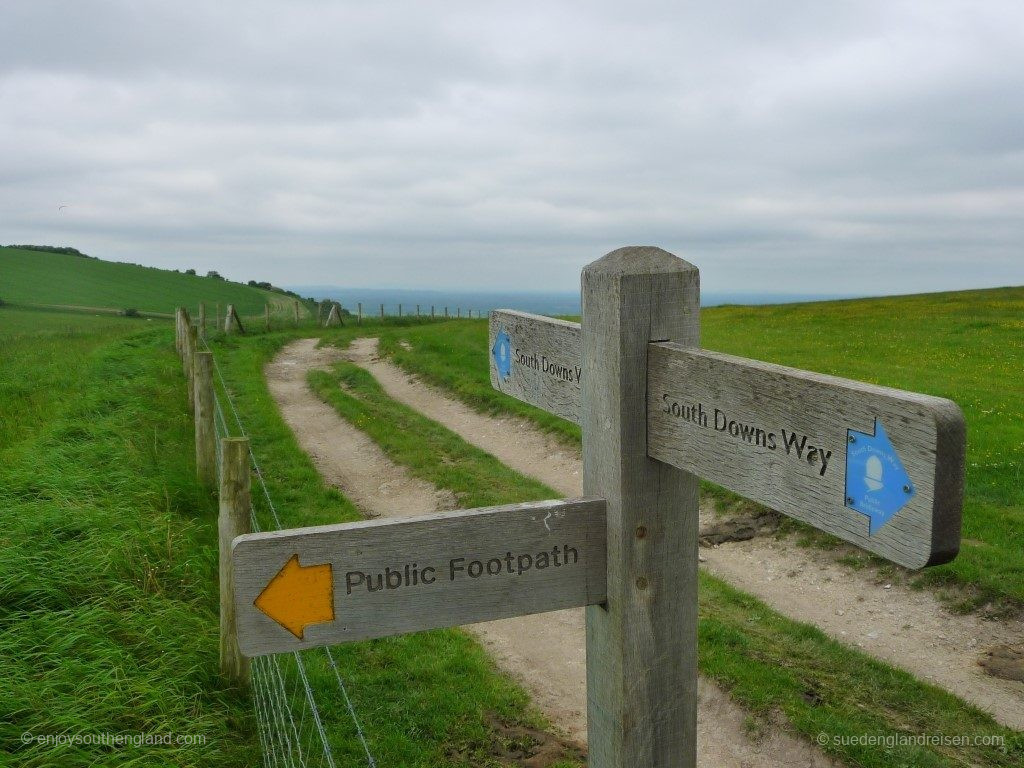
x: 873, y: 473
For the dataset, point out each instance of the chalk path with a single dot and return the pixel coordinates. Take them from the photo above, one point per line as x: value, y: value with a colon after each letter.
x: 907, y: 628
x: 545, y: 652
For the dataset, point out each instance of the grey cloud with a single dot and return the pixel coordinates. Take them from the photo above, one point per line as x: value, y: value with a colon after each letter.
x: 778, y: 145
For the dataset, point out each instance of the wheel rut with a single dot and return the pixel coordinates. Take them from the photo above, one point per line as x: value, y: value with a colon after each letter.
x: 545, y: 653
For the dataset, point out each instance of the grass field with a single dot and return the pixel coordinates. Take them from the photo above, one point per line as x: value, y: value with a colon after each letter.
x: 108, y: 563
x: 772, y: 666
x: 36, y: 381
x: 967, y: 346
x: 108, y: 617
x: 44, y: 278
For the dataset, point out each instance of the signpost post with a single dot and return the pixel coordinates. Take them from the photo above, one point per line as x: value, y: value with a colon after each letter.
x: 878, y: 467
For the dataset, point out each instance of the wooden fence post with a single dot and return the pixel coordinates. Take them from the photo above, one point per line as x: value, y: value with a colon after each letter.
x: 359, y: 314
x: 296, y: 312
x: 333, y: 317
x: 191, y: 347
x: 216, y: 316
x: 431, y: 310
x: 177, y: 330
x: 186, y: 323
x: 202, y: 319
x: 206, y: 430
x: 399, y: 310
x: 234, y: 520
x: 381, y: 311
x: 642, y: 644
x: 232, y: 322
x: 266, y: 313
x: 417, y: 310
x: 446, y: 312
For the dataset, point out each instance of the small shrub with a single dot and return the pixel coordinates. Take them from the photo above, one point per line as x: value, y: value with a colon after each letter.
x: 131, y: 312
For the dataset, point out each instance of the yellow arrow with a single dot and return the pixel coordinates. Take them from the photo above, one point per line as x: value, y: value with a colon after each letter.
x: 299, y: 596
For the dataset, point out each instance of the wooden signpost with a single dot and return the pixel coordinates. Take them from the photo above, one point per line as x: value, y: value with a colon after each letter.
x: 878, y: 467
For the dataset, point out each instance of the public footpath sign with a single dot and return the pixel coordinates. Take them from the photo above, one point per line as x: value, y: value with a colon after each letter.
x: 332, y: 584
x: 878, y: 467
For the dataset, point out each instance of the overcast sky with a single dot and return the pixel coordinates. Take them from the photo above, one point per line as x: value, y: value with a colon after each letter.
x: 839, y: 147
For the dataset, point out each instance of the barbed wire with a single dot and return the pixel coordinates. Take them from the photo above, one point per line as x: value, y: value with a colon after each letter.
x: 281, y: 738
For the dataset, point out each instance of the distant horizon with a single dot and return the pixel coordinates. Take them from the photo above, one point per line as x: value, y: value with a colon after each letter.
x: 330, y: 291
x: 336, y: 292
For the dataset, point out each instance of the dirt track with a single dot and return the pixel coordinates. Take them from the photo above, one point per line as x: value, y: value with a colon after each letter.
x: 904, y: 627
x: 544, y: 652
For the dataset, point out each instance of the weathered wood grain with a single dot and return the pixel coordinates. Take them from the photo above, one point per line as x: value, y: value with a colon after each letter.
x: 179, y: 330
x: 191, y: 349
x: 333, y: 317
x: 693, y: 392
x: 363, y: 551
x: 546, y: 362
x: 232, y: 322
x: 233, y: 521
x: 641, y: 646
x: 205, y: 429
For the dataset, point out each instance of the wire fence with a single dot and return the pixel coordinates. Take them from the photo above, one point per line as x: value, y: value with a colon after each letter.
x: 289, y: 718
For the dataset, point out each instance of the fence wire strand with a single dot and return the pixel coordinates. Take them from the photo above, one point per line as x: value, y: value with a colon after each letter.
x: 281, y: 736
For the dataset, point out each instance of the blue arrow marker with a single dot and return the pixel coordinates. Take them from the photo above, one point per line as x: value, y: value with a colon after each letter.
x: 877, y: 485
x: 502, y: 352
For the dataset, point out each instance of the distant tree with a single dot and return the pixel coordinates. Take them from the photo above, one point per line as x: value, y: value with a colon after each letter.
x: 190, y: 271
x: 214, y: 274
x: 52, y: 249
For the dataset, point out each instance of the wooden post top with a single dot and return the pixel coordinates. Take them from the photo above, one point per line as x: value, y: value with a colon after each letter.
x: 638, y: 260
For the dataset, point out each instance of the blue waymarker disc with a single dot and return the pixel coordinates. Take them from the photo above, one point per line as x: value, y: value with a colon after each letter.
x: 877, y: 485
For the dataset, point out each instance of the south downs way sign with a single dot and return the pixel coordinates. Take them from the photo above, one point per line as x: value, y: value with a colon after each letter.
x: 878, y: 467
x: 881, y: 468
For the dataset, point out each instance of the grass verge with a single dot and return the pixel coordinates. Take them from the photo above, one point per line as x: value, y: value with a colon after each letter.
x: 108, y: 620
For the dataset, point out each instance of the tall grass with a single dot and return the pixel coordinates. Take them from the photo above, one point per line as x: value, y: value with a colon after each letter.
x: 107, y: 570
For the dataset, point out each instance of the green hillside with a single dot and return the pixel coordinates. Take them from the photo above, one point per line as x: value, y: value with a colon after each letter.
x: 46, y: 278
